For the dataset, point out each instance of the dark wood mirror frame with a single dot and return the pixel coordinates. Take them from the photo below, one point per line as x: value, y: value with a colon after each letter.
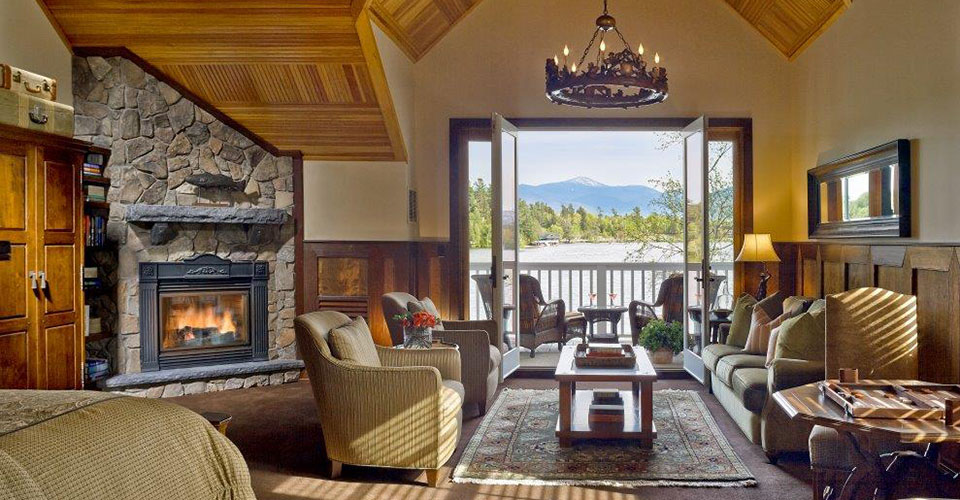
x: 892, y: 226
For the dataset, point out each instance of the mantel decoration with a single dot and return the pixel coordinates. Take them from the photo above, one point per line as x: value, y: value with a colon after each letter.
x: 612, y: 80
x: 417, y: 329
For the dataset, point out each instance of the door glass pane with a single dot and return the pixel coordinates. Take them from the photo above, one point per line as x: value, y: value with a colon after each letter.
x: 509, y: 237
x: 693, y: 241
x: 720, y: 155
x: 480, y: 232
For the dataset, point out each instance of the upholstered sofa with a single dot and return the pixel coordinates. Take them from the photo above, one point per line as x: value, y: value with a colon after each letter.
x: 480, y: 356
x: 402, y: 410
x: 742, y: 383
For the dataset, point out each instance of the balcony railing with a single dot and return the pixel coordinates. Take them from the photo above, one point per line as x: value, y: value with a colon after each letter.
x: 575, y: 281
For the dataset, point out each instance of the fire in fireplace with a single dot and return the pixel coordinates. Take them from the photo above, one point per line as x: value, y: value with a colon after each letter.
x: 202, y: 311
x: 190, y: 320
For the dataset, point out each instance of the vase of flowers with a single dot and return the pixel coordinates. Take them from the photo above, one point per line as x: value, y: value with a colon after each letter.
x: 417, y: 329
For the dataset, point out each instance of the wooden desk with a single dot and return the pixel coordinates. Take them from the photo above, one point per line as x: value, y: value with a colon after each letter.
x: 909, y: 473
x: 574, y: 420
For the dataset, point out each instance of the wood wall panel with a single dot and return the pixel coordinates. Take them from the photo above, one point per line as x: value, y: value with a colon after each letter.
x: 834, y: 277
x: 811, y: 278
x: 859, y: 275
x: 898, y: 279
x: 937, y: 325
x: 416, y: 268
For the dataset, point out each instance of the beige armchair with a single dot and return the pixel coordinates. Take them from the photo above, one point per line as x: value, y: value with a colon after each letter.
x: 875, y: 331
x: 404, y: 414
x: 480, y: 356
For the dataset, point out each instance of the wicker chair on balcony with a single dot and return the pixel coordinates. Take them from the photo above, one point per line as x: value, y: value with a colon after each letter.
x: 541, y: 322
x: 669, y: 300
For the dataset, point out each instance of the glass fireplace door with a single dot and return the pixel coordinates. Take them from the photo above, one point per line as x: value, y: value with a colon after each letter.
x: 202, y: 319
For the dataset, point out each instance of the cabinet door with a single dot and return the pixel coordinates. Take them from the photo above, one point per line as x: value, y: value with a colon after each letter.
x: 18, y: 302
x: 59, y: 255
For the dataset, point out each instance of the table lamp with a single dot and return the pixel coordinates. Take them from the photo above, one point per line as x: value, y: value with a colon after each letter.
x: 758, y: 248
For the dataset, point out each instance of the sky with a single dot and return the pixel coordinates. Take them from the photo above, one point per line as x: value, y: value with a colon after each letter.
x: 615, y: 158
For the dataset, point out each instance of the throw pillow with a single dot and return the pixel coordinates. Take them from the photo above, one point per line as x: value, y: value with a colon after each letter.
x: 796, y: 305
x: 740, y: 321
x: 353, y: 343
x: 772, y: 347
x: 801, y: 337
x: 772, y: 304
x: 758, y: 340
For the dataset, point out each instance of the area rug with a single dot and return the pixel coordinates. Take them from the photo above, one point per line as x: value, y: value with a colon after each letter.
x: 515, y: 445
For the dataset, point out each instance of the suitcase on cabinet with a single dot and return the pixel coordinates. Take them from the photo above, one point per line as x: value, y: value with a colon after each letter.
x: 25, y: 82
x: 34, y: 113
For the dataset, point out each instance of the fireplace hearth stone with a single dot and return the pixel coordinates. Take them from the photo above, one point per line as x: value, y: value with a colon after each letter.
x: 199, y: 379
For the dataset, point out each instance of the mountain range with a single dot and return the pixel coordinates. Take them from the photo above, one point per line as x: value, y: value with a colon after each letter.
x: 591, y: 195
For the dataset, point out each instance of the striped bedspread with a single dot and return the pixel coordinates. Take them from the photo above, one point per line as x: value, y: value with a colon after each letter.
x: 82, y: 445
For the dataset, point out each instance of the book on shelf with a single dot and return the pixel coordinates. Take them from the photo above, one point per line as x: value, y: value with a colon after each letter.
x: 96, y: 193
x: 96, y: 326
x: 92, y: 282
x: 607, y: 397
x: 95, y: 227
x: 94, y: 159
x: 90, y: 272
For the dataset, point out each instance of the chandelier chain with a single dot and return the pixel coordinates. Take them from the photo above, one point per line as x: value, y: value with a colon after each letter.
x: 587, y: 50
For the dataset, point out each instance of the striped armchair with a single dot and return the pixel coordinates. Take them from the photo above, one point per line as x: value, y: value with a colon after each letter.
x: 404, y: 414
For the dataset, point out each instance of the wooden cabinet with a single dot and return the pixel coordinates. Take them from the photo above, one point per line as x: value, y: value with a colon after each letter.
x: 41, y: 302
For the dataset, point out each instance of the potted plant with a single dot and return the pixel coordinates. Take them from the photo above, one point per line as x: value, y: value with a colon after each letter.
x: 664, y: 340
x: 417, y: 329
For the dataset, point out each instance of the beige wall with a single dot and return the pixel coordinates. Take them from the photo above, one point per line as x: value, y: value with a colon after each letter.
x: 493, y: 60
x: 886, y: 70
x: 29, y: 41
x: 365, y: 201
x: 355, y: 201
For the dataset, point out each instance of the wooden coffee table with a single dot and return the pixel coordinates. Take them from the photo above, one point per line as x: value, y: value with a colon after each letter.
x: 574, y: 421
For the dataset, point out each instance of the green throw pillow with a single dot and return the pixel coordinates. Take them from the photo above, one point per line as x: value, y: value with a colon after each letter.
x: 802, y: 337
x: 740, y: 321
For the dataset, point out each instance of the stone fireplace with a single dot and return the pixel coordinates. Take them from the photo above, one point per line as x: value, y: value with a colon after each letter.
x: 208, y: 311
x: 187, y: 192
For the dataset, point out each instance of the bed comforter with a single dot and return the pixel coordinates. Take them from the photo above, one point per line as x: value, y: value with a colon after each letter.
x: 82, y: 445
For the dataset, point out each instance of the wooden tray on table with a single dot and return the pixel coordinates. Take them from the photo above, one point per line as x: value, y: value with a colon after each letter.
x: 880, y: 399
x: 604, y: 356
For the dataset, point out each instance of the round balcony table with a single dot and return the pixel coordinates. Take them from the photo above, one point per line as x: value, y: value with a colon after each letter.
x: 909, y: 474
x: 597, y: 314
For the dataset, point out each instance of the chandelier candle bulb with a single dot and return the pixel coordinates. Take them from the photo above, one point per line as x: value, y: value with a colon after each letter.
x: 640, y: 50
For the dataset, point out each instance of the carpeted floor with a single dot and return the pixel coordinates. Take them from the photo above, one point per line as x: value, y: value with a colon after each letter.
x: 276, y: 429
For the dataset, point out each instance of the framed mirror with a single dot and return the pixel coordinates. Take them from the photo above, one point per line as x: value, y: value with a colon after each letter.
x: 864, y: 195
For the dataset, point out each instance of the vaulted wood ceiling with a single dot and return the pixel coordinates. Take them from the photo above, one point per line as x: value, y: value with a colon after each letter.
x: 416, y: 25
x: 790, y: 25
x: 302, y: 74
x: 306, y: 74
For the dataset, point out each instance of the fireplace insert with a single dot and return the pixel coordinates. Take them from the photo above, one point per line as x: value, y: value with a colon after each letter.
x: 202, y: 311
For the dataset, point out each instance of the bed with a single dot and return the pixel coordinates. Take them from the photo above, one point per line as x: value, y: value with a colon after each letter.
x: 84, y: 444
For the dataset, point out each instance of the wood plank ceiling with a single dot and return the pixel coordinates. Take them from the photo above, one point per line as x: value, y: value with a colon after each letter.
x: 301, y: 74
x: 416, y: 25
x: 790, y: 25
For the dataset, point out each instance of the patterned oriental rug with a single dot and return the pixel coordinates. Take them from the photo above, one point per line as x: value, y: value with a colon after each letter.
x: 515, y: 445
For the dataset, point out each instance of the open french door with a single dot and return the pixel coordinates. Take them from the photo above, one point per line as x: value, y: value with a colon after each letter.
x: 696, y: 284
x: 505, y: 270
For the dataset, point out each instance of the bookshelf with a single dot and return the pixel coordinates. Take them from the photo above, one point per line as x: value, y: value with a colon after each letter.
x: 99, y: 256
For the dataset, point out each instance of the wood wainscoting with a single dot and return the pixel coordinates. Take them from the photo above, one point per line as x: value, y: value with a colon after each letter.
x: 350, y: 277
x: 930, y: 272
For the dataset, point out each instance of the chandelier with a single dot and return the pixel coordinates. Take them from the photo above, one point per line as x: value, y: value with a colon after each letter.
x: 612, y: 79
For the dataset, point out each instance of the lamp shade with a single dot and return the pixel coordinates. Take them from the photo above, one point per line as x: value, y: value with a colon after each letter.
x: 757, y: 248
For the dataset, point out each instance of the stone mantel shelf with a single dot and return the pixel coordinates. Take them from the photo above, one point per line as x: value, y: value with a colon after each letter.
x: 205, y: 215
x: 159, y: 217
